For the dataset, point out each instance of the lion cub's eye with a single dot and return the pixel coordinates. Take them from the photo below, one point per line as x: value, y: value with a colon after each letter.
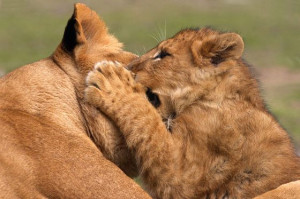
x: 162, y: 54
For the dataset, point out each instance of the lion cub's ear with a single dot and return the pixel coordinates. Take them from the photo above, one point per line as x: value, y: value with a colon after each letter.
x: 220, y: 47
x: 83, y: 26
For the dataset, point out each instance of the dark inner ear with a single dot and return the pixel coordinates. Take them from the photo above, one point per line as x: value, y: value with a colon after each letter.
x: 221, y: 56
x: 69, y: 40
x: 217, y: 59
x: 222, y: 47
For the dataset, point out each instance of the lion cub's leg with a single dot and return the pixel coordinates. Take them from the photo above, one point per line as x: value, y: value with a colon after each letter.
x: 104, y: 93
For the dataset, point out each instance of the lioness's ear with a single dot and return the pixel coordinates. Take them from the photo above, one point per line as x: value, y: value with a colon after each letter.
x: 221, y: 47
x: 83, y: 26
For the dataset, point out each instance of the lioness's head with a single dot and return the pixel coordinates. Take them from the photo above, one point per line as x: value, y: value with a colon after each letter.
x: 87, y: 41
x: 189, y: 64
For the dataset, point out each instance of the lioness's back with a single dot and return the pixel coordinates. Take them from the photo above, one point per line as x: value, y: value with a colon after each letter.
x: 41, y: 89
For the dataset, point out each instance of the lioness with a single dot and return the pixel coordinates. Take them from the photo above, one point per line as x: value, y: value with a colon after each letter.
x: 289, y: 190
x: 47, y: 129
x: 220, y: 140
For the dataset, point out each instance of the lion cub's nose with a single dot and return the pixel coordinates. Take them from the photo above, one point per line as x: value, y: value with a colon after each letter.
x: 129, y: 66
x: 135, y: 66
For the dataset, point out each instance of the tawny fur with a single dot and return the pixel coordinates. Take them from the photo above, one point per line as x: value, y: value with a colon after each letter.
x: 47, y: 129
x: 289, y: 190
x: 223, y: 142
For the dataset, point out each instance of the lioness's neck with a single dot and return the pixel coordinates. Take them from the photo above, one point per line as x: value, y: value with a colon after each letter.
x: 97, y: 126
x: 68, y: 65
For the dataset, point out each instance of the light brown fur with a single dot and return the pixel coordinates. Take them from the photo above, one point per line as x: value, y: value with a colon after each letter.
x: 289, y: 190
x: 47, y: 129
x: 223, y: 143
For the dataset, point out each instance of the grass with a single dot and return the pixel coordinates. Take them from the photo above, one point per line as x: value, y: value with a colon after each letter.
x: 287, y: 109
x: 31, y: 30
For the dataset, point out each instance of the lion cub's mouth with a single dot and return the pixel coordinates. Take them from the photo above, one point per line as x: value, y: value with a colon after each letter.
x: 153, y: 98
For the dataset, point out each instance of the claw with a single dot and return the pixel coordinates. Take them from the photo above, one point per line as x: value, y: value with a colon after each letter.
x: 105, y: 63
x: 117, y: 64
x: 100, y: 63
x: 95, y: 85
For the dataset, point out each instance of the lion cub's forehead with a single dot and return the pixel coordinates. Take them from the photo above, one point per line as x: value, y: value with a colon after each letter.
x: 187, y: 36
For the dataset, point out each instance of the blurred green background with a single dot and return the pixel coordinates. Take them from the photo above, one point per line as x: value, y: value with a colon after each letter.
x: 31, y: 30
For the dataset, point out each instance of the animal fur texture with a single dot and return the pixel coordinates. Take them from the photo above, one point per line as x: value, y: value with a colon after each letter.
x: 223, y: 142
x: 53, y: 144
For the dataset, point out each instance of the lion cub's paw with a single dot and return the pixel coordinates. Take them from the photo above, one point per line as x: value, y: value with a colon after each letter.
x: 109, y: 82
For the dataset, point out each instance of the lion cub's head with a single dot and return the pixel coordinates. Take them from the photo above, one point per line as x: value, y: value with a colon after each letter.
x: 193, y: 64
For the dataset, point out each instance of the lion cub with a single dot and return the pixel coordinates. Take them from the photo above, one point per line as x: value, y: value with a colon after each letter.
x: 221, y: 142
